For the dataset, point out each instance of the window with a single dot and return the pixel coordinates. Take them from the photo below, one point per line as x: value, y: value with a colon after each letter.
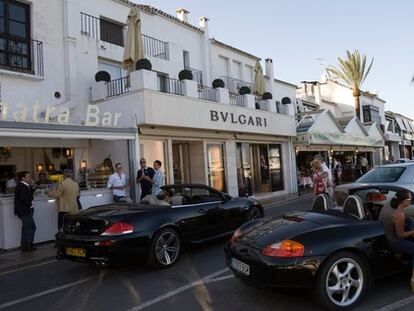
x: 15, y: 49
x: 186, y: 59
x: 112, y: 32
x: 382, y: 175
x: 200, y: 195
x: 371, y: 114
x: 114, y: 70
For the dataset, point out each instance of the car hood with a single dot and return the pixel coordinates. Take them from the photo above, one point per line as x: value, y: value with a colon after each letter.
x: 287, y: 226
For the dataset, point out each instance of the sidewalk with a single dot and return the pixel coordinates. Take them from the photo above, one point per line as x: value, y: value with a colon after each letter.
x: 13, y: 259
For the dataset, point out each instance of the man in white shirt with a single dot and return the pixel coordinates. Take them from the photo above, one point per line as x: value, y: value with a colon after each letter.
x: 117, y: 182
x: 158, y: 179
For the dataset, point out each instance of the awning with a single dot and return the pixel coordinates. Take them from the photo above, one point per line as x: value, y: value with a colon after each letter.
x: 61, y: 131
x: 400, y: 124
x: 322, y: 138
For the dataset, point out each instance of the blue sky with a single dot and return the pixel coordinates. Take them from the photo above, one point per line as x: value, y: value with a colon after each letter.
x: 293, y: 33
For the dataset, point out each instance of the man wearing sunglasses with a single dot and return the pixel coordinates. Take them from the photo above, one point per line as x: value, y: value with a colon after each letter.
x: 144, y: 178
x: 117, y: 182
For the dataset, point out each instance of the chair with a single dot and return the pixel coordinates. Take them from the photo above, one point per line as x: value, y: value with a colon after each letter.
x: 354, y: 206
x: 321, y: 202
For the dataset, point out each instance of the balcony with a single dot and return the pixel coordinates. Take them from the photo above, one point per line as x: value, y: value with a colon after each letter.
x: 21, y: 55
x: 91, y: 27
x: 234, y: 84
x: 197, y: 75
x: 189, y: 90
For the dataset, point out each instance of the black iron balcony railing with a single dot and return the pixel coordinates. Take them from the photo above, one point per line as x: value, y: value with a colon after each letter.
x: 237, y: 99
x: 155, y: 47
x: 118, y: 86
x: 169, y: 85
x: 207, y: 93
x: 91, y: 27
x: 197, y: 75
x: 233, y: 84
x: 23, y: 55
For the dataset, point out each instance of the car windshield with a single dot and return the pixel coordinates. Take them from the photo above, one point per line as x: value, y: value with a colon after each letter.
x: 382, y: 175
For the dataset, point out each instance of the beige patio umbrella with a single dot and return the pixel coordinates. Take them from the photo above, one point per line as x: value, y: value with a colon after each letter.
x: 134, y: 49
x: 259, y: 86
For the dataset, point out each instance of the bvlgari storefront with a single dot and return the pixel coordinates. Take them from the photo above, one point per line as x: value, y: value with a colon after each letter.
x: 47, y: 149
x: 239, y: 150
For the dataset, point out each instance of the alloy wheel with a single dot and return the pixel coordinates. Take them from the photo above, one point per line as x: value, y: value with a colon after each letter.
x: 167, y: 248
x: 344, y: 282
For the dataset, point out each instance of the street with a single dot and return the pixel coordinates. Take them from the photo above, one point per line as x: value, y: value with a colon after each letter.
x: 199, y: 281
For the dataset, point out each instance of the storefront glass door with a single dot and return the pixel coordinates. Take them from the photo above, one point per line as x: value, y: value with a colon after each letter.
x: 180, y: 162
x: 215, y: 166
x: 259, y: 168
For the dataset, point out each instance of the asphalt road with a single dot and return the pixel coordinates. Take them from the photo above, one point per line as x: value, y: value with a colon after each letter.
x: 199, y: 281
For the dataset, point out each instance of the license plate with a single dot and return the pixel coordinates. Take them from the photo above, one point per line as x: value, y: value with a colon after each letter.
x: 75, y: 252
x: 240, y: 266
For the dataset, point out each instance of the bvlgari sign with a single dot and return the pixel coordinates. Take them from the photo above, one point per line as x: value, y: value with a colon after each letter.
x: 93, y: 115
x: 237, y: 118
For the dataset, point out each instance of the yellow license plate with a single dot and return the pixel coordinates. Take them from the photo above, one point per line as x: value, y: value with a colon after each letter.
x: 76, y: 252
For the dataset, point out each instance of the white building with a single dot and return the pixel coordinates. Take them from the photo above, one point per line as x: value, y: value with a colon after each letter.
x: 54, y: 115
x: 399, y: 132
x: 345, y: 136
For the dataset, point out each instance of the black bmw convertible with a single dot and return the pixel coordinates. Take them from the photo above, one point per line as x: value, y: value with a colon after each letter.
x: 337, y: 253
x: 197, y: 213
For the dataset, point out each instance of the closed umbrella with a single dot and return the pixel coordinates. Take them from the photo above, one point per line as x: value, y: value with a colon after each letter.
x: 134, y: 49
x: 259, y: 86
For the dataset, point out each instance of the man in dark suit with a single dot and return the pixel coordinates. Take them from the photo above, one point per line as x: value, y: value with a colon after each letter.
x: 144, y: 178
x: 23, y: 208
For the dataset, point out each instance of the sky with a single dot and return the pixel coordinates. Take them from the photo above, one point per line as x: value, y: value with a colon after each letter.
x: 303, y: 37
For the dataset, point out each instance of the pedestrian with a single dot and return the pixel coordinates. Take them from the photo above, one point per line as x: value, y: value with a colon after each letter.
x: 337, y: 169
x: 68, y: 192
x: 23, y: 208
x: 158, y: 179
x: 363, y: 163
x: 319, y: 178
x: 117, y: 182
x: 397, y: 227
x: 329, y: 179
x: 144, y: 178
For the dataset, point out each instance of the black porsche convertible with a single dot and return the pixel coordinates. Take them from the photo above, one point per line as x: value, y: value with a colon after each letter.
x: 337, y: 253
x: 197, y: 213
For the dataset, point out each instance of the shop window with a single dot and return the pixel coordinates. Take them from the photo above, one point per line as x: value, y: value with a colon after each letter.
x: 112, y: 32
x: 275, y: 165
x: 215, y: 168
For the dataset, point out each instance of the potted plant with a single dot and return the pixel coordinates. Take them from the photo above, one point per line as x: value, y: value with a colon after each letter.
x: 185, y: 74
x: 143, y: 63
x: 244, y: 90
x: 218, y: 83
x: 267, y: 95
x: 102, y: 76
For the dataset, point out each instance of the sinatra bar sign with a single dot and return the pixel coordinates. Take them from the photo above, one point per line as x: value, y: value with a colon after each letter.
x: 234, y: 118
x: 21, y: 114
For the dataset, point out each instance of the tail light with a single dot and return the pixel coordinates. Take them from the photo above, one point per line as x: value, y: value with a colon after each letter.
x: 119, y: 228
x: 286, y: 248
x: 236, y: 235
x: 104, y: 243
x: 376, y: 197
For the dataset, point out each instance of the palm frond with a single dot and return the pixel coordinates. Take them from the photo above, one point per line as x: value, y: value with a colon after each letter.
x: 352, y: 69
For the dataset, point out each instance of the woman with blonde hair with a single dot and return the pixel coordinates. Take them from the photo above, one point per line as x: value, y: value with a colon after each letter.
x: 319, y: 177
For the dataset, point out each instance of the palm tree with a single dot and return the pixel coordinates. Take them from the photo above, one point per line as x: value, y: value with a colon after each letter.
x: 353, y: 72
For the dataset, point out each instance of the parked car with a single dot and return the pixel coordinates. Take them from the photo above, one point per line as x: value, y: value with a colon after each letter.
x: 335, y: 253
x: 401, y: 174
x: 198, y: 213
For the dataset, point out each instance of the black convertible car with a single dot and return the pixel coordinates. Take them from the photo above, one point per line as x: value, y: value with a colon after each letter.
x: 197, y: 213
x: 336, y: 253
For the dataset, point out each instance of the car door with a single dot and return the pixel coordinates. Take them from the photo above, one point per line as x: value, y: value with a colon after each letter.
x: 209, y: 204
x: 189, y: 218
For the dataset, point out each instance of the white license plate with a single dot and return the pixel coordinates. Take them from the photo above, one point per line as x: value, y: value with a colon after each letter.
x: 240, y: 266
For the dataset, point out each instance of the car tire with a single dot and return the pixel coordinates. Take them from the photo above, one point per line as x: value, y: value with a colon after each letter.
x: 253, y: 213
x: 165, y: 249
x: 342, y: 281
